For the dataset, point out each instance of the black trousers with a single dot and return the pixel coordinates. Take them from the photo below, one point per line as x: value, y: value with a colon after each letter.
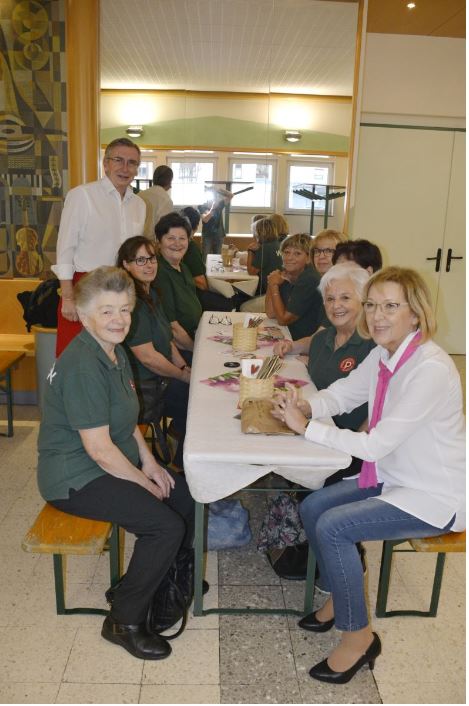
x: 161, y: 529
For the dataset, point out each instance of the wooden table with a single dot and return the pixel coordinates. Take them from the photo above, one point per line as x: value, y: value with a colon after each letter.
x: 8, y: 360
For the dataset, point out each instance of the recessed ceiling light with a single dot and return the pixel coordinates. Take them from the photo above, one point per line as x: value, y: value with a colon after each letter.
x: 411, y: 5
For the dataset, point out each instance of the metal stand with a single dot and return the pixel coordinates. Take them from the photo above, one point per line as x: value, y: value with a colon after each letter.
x: 313, y: 196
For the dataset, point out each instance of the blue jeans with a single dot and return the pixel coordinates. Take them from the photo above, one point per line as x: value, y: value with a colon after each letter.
x: 335, y: 518
x: 211, y: 244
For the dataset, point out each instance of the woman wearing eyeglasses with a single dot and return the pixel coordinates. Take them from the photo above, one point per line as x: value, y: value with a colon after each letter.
x: 324, y: 245
x: 412, y: 481
x: 161, y: 374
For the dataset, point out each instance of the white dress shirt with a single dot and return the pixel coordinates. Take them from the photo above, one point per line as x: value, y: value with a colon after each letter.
x: 419, y: 443
x: 95, y: 222
x: 158, y: 204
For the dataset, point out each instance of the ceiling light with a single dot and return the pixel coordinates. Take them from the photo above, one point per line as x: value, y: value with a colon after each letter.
x: 411, y: 5
x: 135, y: 130
x: 292, y: 135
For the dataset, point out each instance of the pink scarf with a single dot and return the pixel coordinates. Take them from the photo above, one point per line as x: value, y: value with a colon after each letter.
x: 367, y: 477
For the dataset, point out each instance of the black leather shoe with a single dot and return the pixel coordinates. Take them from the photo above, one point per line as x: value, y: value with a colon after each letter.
x: 311, y: 623
x: 135, y: 639
x: 322, y: 671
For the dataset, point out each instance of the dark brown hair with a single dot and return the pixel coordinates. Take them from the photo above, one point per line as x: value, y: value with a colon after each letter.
x: 128, y: 251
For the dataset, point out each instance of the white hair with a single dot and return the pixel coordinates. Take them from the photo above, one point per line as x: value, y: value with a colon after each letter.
x: 345, y: 270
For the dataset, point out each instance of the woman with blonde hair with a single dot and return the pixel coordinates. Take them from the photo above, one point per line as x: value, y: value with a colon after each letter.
x: 324, y: 244
x: 412, y: 481
x: 281, y: 225
x: 266, y: 256
x: 292, y: 295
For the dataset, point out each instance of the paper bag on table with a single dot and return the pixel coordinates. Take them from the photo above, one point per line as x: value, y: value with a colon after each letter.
x: 257, y: 419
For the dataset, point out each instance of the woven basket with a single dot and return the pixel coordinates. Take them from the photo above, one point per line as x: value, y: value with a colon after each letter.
x: 244, y: 339
x: 253, y: 388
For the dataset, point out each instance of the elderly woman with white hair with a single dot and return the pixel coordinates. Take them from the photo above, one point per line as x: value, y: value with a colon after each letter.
x: 94, y: 462
x: 335, y: 351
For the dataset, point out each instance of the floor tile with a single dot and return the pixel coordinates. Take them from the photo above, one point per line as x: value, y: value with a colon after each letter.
x: 253, y: 597
x: 205, y: 622
x: 397, y: 691
x: 287, y: 692
x: 94, y: 660
x: 98, y: 694
x: 250, y: 656
x: 180, y: 694
x: 29, y: 655
x: 194, y: 660
x: 28, y: 693
x: 245, y: 566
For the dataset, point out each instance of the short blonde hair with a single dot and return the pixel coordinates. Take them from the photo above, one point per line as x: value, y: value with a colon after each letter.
x: 416, y: 294
x: 280, y: 224
x: 264, y: 230
x: 331, y: 234
x: 102, y: 279
x: 302, y: 241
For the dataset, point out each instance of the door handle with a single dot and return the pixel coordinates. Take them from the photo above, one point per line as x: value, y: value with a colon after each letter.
x: 451, y: 257
x: 438, y: 260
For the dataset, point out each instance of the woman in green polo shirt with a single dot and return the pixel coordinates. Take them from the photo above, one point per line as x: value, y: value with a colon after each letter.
x: 94, y: 462
x: 174, y: 280
x: 161, y: 374
x: 335, y: 351
x: 292, y: 295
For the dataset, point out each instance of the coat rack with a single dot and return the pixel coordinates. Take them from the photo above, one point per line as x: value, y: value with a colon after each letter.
x: 308, y: 191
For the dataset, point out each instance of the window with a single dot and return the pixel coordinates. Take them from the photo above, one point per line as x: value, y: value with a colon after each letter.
x: 144, y: 178
x: 303, y: 175
x: 260, y: 175
x: 190, y: 175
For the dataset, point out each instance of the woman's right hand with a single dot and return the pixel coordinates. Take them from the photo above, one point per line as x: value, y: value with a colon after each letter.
x: 69, y: 310
x: 281, y: 348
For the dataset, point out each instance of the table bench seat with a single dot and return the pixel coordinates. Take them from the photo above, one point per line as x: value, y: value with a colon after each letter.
x: 60, y: 534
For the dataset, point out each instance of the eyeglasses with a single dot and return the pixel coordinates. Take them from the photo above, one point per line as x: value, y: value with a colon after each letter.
x: 223, y: 320
x: 323, y: 251
x: 142, y: 261
x: 121, y: 162
x: 388, y: 308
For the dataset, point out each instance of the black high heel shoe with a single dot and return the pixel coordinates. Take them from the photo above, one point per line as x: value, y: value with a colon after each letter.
x: 311, y: 623
x: 322, y: 671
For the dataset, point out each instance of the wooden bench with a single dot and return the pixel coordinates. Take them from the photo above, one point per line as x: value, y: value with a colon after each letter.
x: 8, y: 360
x: 450, y: 542
x: 58, y: 533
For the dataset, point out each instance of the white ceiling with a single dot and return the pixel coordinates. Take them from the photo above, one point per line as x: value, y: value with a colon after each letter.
x: 287, y: 46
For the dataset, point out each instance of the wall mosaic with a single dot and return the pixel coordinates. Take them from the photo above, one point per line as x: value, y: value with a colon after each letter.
x: 33, y: 147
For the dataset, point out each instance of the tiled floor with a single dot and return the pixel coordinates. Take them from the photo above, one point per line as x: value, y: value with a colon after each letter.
x: 45, y: 658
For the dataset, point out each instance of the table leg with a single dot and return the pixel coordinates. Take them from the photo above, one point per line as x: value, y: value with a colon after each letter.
x: 9, y: 394
x: 309, y: 586
x: 198, y: 558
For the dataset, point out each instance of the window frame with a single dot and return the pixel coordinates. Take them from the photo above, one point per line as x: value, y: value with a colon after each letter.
x: 319, y: 208
x: 273, y: 161
x: 188, y: 158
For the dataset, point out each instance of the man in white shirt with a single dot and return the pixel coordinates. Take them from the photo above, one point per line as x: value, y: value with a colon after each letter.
x: 97, y: 218
x: 157, y: 199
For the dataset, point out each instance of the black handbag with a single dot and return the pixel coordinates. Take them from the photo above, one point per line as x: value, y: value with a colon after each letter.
x: 172, y: 598
x: 151, y: 397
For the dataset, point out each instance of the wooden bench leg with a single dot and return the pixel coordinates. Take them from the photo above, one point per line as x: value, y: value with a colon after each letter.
x: 59, y: 578
x: 384, y: 579
x: 5, y: 387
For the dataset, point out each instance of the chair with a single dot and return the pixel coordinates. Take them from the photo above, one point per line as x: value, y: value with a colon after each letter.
x: 450, y: 542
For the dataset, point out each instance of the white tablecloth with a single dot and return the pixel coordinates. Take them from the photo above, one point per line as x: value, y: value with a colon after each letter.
x: 215, y: 269
x: 218, y: 458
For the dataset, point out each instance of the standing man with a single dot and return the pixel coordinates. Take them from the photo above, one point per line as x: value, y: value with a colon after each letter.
x: 157, y: 199
x: 97, y: 217
x: 213, y: 230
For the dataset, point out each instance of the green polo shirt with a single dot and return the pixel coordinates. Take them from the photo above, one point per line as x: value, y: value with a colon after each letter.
x: 84, y: 390
x: 266, y: 259
x: 326, y: 365
x: 193, y: 260
x: 302, y: 298
x: 149, y: 325
x: 178, y: 296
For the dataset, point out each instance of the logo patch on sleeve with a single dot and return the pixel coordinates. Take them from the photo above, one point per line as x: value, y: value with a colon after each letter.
x: 347, y: 364
x: 132, y: 384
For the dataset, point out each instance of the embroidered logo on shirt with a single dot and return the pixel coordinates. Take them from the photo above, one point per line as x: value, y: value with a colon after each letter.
x: 51, y: 375
x: 347, y: 364
x: 132, y: 385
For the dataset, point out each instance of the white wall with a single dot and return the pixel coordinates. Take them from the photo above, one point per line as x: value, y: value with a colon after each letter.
x: 413, y: 75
